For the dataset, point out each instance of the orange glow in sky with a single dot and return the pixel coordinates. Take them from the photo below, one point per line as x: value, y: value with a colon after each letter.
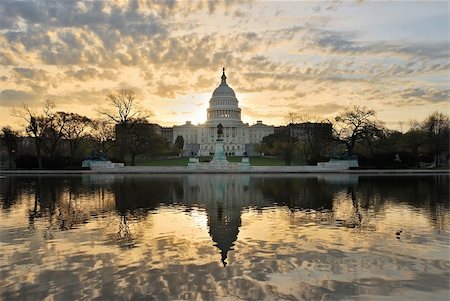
x: 313, y: 57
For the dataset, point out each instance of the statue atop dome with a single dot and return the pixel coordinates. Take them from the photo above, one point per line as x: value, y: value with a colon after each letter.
x: 223, y: 90
x: 224, y: 78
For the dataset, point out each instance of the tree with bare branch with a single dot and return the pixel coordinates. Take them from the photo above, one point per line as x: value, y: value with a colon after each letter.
x: 102, y: 133
x: 437, y: 127
x: 413, y: 140
x: 75, y: 129
x: 354, y: 125
x: 125, y: 111
x: 315, y: 137
x: 291, y: 120
x: 36, y: 125
x: 123, y: 108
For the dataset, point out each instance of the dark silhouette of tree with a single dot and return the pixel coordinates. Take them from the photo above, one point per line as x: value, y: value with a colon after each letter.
x: 413, y: 139
x: 314, y: 139
x: 437, y: 127
x: 123, y: 109
x: 37, y: 126
x: 179, y: 143
x: 53, y: 134
x: 289, y: 145
x: 8, y: 139
x: 354, y: 125
x: 139, y: 140
x: 103, y: 136
x: 75, y: 129
x: 144, y: 140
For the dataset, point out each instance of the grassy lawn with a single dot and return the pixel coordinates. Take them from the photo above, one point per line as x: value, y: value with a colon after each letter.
x: 162, y: 162
x: 260, y: 161
x: 254, y: 161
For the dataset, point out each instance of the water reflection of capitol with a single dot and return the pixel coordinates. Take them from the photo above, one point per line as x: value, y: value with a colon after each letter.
x: 223, y: 196
x: 63, y: 203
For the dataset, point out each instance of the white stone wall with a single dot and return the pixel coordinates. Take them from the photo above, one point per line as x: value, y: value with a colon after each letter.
x: 258, y: 131
x: 188, y: 131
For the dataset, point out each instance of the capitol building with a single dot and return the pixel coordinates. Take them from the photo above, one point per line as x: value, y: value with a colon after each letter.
x: 223, y: 108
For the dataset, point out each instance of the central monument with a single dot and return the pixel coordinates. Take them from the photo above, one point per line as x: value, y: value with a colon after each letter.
x: 219, y: 158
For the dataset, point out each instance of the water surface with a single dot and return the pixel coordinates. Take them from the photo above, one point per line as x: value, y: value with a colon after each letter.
x: 326, y: 237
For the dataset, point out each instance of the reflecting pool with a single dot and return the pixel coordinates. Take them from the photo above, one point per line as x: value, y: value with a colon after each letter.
x: 252, y: 237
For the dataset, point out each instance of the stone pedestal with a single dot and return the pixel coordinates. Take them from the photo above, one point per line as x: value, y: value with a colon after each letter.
x: 94, y: 164
x: 219, y: 158
x: 339, y: 164
x: 245, y: 164
x: 193, y: 163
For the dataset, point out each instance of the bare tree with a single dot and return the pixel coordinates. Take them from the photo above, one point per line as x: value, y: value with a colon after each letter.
x: 54, y: 132
x: 36, y: 125
x: 354, y: 125
x: 124, y: 110
x: 315, y: 137
x: 437, y: 127
x: 102, y: 132
x: 291, y: 120
x: 139, y: 140
x: 413, y: 139
x: 75, y: 129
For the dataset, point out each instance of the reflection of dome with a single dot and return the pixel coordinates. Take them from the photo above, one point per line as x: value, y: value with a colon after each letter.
x: 224, y: 223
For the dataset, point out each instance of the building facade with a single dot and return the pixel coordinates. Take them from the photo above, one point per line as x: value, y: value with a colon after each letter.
x: 224, y: 109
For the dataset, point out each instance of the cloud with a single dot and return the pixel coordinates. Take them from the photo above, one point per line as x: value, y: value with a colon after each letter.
x: 255, y: 114
x: 168, y: 90
x: 70, y: 50
x: 85, y: 74
x: 31, y: 73
x: 423, y: 95
x: 348, y: 43
x: 11, y: 97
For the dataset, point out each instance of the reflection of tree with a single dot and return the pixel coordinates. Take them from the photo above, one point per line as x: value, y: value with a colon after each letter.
x: 430, y: 193
x: 33, y: 213
x: 224, y: 196
x: 8, y: 192
x: 141, y: 192
x: 357, y: 218
x: 295, y: 192
x: 124, y: 237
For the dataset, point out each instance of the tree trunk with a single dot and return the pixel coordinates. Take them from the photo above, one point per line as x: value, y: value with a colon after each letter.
x: 72, y: 150
x: 133, y: 157
x: 38, y: 153
x: 437, y: 154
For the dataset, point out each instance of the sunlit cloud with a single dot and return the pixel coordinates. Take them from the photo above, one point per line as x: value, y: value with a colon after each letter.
x: 316, y: 57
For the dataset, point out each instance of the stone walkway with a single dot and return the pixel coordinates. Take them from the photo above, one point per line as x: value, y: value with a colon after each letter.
x: 251, y: 170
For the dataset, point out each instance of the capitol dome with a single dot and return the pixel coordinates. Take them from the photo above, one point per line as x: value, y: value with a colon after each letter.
x: 223, y: 89
x: 223, y: 105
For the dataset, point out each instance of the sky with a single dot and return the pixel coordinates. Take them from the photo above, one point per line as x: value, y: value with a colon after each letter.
x: 306, y: 57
